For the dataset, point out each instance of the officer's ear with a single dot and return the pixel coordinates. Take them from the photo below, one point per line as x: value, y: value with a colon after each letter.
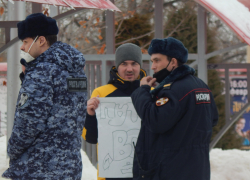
x: 174, y: 62
x: 42, y: 41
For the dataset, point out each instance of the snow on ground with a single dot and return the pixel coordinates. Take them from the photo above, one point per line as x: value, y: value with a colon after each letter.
x: 89, y: 172
x: 230, y: 164
x: 3, y: 160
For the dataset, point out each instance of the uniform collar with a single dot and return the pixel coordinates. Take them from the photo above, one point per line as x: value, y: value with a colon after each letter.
x: 176, y: 74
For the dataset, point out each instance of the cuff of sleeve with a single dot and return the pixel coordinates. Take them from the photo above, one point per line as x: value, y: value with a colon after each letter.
x: 91, y: 129
x: 146, y: 87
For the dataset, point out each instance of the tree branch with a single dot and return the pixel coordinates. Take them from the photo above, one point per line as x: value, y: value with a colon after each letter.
x: 175, y: 29
x: 118, y: 28
x: 4, y: 4
x: 135, y: 38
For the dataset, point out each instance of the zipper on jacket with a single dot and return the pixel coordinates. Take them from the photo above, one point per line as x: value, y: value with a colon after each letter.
x: 137, y: 158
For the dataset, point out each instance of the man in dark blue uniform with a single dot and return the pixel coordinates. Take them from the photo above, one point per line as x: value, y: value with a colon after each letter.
x: 177, y: 118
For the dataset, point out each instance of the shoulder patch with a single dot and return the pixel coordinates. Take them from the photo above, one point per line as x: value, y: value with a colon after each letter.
x: 162, y: 101
x: 202, y: 97
x: 23, y: 99
x: 77, y: 84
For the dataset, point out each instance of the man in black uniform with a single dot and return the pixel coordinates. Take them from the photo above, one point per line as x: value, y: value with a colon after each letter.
x: 124, y: 79
x: 177, y: 118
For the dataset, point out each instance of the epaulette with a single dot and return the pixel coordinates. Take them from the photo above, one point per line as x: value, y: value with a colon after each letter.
x: 167, y: 86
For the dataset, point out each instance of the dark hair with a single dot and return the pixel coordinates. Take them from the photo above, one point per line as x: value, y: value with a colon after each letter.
x: 51, y: 39
x: 178, y: 62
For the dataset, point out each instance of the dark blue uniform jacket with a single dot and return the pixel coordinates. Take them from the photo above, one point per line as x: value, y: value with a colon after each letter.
x: 173, y: 142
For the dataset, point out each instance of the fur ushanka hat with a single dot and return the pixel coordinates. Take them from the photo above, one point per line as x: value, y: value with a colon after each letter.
x: 37, y: 24
x: 170, y: 47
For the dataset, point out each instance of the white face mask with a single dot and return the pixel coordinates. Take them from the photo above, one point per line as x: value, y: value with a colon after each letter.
x: 25, y: 55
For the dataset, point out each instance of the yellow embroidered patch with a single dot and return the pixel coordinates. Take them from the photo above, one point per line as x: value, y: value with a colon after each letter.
x: 166, y: 85
x: 162, y: 101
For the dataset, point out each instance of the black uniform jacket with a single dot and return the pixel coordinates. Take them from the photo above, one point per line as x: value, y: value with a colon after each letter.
x: 116, y: 87
x: 177, y: 120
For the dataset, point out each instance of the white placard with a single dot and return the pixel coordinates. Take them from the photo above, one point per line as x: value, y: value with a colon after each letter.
x: 118, y: 128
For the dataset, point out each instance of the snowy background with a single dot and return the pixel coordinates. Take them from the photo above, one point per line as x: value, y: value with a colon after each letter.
x: 225, y: 164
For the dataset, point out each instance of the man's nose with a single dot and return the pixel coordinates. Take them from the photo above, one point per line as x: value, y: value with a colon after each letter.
x: 153, y: 66
x: 22, y: 47
x: 129, y: 68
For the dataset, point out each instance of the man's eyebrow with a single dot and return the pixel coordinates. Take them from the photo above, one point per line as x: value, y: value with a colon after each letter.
x: 156, y: 58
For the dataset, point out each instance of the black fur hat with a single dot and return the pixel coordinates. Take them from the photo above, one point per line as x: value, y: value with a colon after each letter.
x: 37, y: 24
x: 170, y: 47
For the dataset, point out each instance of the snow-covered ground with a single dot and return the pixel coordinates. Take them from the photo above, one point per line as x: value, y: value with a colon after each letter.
x: 225, y: 165
x: 230, y: 164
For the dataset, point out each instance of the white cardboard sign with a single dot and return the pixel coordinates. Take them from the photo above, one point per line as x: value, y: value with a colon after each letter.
x: 118, y: 128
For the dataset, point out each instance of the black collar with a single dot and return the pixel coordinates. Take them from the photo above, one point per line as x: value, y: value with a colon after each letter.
x: 176, y: 74
x: 126, y: 86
